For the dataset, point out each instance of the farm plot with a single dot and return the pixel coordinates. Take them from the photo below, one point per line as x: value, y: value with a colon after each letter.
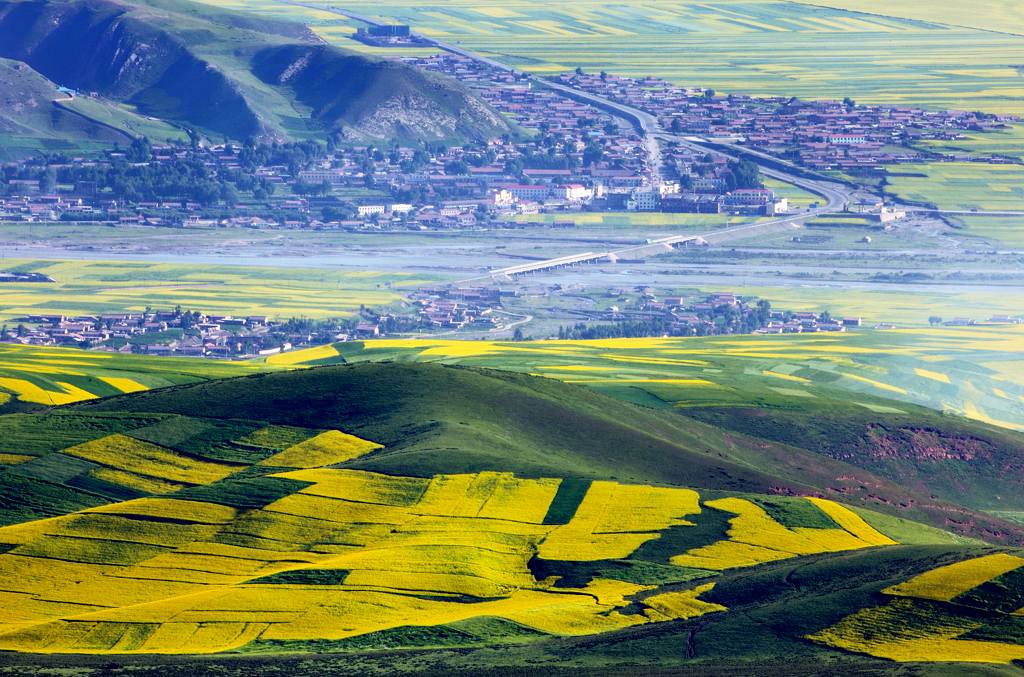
x: 960, y: 185
x: 54, y: 376
x: 324, y: 554
x: 966, y: 611
x: 93, y: 287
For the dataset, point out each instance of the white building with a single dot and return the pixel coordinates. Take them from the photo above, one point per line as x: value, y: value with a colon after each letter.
x: 644, y: 200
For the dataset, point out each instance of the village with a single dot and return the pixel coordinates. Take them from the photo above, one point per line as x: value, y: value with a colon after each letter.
x: 567, y: 156
x: 182, y: 333
x: 197, y: 334
x: 821, y: 135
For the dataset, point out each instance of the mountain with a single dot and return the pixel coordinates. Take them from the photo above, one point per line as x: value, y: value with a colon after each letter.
x: 403, y: 518
x: 232, y: 75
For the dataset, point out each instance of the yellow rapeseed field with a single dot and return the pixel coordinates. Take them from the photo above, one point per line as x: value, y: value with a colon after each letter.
x: 682, y: 604
x: 903, y: 631
x: 121, y: 452
x: 125, y: 385
x: 327, y: 448
x: 294, y: 357
x: 613, y: 520
x: 14, y: 459
x: 755, y: 538
x: 949, y: 582
x: 30, y: 392
x: 347, y: 553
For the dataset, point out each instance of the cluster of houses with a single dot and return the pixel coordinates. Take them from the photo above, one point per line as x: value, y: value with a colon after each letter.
x: 995, y: 319
x: 712, y: 314
x: 822, y: 135
x: 459, y: 307
x: 580, y: 158
x: 692, y: 315
x: 806, y: 322
x: 169, y: 332
x: 159, y: 332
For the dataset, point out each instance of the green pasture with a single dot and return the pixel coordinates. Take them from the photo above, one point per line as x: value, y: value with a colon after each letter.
x: 960, y: 185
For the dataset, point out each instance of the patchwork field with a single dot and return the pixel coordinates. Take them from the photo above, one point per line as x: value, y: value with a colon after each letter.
x: 89, y: 287
x: 963, y: 611
x: 1005, y: 230
x: 971, y: 371
x: 192, y: 535
x: 137, y: 527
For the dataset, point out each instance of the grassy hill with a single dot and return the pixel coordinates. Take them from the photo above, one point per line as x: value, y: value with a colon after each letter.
x: 31, y: 121
x: 419, y: 517
x: 439, y: 419
x: 231, y: 75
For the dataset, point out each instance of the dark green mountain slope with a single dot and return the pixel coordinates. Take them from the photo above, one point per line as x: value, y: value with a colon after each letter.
x: 195, y: 65
x: 954, y: 458
x: 437, y: 419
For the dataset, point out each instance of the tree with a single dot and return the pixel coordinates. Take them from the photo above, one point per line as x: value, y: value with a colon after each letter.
x: 517, y: 335
x: 743, y: 174
x: 514, y: 167
x: 676, y: 126
x: 49, y: 181
x: 934, y: 320
x: 592, y: 153
x: 139, y: 150
x: 579, y: 70
x: 456, y: 168
x: 604, y: 76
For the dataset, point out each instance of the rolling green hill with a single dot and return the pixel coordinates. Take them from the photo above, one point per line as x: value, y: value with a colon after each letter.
x: 440, y: 419
x: 421, y: 518
x: 231, y: 75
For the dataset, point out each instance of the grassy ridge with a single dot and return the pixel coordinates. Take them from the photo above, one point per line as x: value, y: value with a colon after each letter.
x: 436, y: 419
x: 973, y: 371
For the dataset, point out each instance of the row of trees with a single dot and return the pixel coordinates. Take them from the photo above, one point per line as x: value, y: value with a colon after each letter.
x: 724, y: 319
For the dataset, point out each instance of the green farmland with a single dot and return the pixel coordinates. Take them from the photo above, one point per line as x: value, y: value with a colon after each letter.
x: 971, y: 371
x: 885, y: 53
x: 960, y: 185
x: 89, y: 287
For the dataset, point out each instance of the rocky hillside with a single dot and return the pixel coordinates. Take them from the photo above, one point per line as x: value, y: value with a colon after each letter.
x: 232, y: 75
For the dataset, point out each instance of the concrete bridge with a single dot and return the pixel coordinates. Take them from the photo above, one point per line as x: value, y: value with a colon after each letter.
x: 570, y: 261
